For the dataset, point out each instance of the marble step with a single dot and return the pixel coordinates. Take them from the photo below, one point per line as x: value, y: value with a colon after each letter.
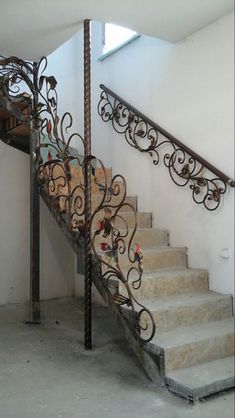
x: 197, y: 382
x: 187, y: 346
x: 186, y: 310
x: 172, y: 282
x: 158, y: 258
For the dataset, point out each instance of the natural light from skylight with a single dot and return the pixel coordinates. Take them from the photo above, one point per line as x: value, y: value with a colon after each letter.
x: 115, y: 36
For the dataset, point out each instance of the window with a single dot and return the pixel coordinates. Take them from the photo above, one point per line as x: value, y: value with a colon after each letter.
x: 115, y: 37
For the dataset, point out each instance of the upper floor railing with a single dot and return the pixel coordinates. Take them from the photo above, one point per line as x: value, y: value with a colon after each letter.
x: 185, y: 166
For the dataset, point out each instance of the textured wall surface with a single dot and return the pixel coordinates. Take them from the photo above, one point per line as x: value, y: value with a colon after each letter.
x: 187, y: 88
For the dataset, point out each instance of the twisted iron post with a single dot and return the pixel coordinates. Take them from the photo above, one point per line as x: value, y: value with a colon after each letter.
x: 87, y: 179
x: 34, y: 212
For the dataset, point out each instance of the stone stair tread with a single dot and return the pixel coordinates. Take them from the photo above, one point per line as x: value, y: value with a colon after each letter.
x: 158, y: 273
x: 152, y: 232
x: 127, y: 217
x: 149, y: 237
x: 99, y: 194
x: 147, y: 229
x: 164, y: 248
x: 203, y: 379
x: 183, y: 335
x: 139, y: 212
x: 172, y: 302
x: 126, y: 213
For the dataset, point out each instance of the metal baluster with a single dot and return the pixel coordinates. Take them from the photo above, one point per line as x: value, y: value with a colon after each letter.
x: 34, y: 213
x: 87, y: 175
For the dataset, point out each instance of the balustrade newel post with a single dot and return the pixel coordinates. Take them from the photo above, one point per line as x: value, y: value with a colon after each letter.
x: 87, y: 180
x: 34, y: 211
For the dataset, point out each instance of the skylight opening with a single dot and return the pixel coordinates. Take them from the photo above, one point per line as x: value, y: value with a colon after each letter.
x: 115, y: 36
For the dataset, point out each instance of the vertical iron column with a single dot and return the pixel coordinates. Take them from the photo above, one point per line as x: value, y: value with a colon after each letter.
x: 87, y: 180
x: 34, y: 213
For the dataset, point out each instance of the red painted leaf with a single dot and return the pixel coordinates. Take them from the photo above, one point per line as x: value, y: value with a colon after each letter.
x: 49, y: 127
x: 104, y: 246
x: 138, y: 249
x: 49, y: 156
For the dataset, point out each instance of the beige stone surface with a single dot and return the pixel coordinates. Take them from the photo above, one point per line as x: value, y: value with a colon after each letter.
x: 199, y: 351
x: 172, y: 282
x: 179, y: 310
x: 162, y: 258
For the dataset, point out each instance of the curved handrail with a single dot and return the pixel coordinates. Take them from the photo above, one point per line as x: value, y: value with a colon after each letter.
x: 183, y: 163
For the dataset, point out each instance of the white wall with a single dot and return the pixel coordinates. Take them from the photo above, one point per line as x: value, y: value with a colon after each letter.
x: 57, y: 258
x: 187, y: 88
x: 14, y: 225
x: 66, y: 64
x: 56, y: 269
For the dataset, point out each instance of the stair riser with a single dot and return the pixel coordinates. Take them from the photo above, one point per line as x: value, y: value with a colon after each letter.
x: 188, y: 315
x: 96, y: 201
x: 145, y: 237
x: 77, y: 179
x: 202, y: 380
x: 162, y: 287
x: 77, y: 174
x: 152, y: 238
x: 94, y: 188
x: 132, y: 200
x: 100, y: 176
x: 199, y: 352
x: 119, y: 188
x: 143, y: 220
x: 176, y: 258
x: 161, y: 259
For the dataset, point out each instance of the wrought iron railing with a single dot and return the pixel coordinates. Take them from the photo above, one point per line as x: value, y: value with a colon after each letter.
x: 66, y: 180
x: 63, y: 179
x: 185, y: 167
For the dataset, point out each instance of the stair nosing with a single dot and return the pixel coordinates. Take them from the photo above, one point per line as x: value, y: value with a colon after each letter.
x: 201, y: 388
x: 164, y: 248
x: 164, y: 272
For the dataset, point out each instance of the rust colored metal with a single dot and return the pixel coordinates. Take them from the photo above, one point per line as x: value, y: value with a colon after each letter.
x: 184, y: 165
x: 17, y: 75
x: 87, y: 177
x: 99, y: 233
x: 34, y: 209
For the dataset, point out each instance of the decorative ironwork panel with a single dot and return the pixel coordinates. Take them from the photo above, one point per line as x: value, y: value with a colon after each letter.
x: 184, y: 166
x: 61, y: 170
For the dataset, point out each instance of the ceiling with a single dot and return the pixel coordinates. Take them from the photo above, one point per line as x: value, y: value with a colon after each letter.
x: 32, y: 28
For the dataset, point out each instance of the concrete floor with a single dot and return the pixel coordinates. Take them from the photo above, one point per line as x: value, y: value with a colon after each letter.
x: 45, y: 372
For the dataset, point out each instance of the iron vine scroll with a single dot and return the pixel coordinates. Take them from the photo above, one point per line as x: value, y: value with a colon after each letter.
x: 185, y: 167
x: 61, y: 169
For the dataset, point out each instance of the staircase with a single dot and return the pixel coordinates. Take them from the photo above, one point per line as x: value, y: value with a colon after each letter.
x: 190, y: 348
x: 194, y: 340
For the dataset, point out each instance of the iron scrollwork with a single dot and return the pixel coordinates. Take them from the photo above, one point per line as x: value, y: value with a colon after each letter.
x: 121, y: 258
x: 61, y: 169
x: 185, y: 167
